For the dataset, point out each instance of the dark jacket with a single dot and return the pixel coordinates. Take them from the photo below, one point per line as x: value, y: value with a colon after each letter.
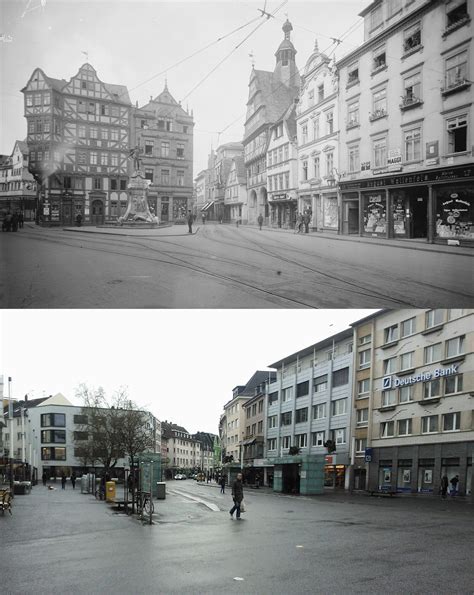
x: 238, y: 490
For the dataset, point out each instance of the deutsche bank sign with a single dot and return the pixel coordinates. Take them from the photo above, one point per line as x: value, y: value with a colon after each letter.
x: 389, y: 382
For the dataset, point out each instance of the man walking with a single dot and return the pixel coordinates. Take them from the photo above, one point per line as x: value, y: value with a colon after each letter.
x: 260, y: 221
x: 222, y: 483
x: 454, y: 485
x: 444, y: 486
x: 237, y: 495
x: 190, y: 221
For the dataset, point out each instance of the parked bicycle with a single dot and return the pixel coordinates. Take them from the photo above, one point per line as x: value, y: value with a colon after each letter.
x: 145, y: 504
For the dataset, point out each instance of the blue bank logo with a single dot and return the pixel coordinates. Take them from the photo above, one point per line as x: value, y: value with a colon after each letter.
x: 387, y: 383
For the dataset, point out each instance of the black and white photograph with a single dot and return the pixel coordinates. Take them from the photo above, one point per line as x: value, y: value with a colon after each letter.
x: 236, y: 292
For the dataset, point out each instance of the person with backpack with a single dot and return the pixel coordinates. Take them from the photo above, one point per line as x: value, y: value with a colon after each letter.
x: 237, y: 495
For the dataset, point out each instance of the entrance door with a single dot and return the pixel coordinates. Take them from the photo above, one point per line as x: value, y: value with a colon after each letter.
x: 353, y: 217
x: 419, y: 210
x: 291, y: 479
x: 359, y: 479
x: 97, y: 212
x: 67, y: 213
x: 165, y: 211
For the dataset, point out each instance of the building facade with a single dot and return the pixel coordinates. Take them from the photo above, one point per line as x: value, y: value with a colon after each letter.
x: 78, y: 141
x: 17, y: 185
x: 318, y: 142
x: 406, y: 113
x: 309, y: 405
x: 235, y: 199
x: 222, y: 164
x: 163, y: 130
x: 184, y: 451
x: 413, y: 387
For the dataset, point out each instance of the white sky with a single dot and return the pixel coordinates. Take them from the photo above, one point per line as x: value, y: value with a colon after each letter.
x: 180, y: 364
x: 131, y: 41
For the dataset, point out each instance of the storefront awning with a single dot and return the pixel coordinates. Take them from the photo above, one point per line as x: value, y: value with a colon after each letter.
x: 248, y: 442
x: 207, y: 205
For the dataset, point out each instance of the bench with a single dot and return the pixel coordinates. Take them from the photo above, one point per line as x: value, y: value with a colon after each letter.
x: 6, y: 502
x: 383, y: 493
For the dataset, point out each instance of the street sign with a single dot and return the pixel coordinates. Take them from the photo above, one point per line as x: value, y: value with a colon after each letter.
x: 368, y: 455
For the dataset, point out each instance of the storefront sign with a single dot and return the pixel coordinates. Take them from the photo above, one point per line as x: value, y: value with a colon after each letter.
x: 395, y: 168
x: 389, y: 382
x: 394, y: 157
x: 432, y: 162
x: 432, y: 150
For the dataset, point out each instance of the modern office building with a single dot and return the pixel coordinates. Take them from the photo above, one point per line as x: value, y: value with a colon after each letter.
x: 413, y: 411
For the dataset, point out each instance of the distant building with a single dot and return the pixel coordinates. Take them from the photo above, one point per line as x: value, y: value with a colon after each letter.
x: 184, y: 451
x: 17, y: 185
x: 207, y: 450
x: 163, y: 130
x: 235, y: 199
x: 222, y: 159
x: 270, y: 95
x: 79, y: 142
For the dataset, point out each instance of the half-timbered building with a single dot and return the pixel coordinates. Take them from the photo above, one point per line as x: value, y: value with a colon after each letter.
x: 79, y: 142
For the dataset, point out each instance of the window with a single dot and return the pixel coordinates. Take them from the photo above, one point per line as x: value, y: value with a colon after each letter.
x: 360, y: 445
x: 123, y: 184
x: 412, y: 38
x: 429, y: 424
x: 412, y: 144
x: 406, y: 360
x: 339, y: 436
x: 352, y: 74
x: 286, y: 419
x: 80, y: 419
x: 362, y: 417
x: 180, y: 150
x: 404, y: 427
x: 389, y: 398
x: 455, y: 346
x: 319, y: 411
x: 91, y: 108
x: 451, y: 422
x: 180, y: 177
x: 53, y: 454
x: 93, y: 133
x: 320, y: 383
x: 301, y: 440
x: 317, y: 169
x: 330, y: 122
x: 453, y: 384
x: 353, y: 113
x: 254, y: 409
x: 320, y: 92
x: 456, y: 70
x: 81, y: 435
x: 457, y: 134
x: 376, y: 17
x: 93, y: 158
x: 379, y: 58
x: 97, y: 183
x: 260, y: 406
x: 272, y: 398
x: 379, y: 102
x: 391, y: 333
x: 286, y: 150
x: 304, y: 133
x: 408, y: 327
x: 104, y: 159
x: 316, y: 128
x: 305, y: 170
x: 389, y: 365
x: 114, y: 134
x: 363, y: 388
x: 412, y: 89
x: 260, y: 426
x: 434, y: 318
x: 149, y: 174
x: 271, y: 444
x: 287, y: 394
x: 405, y: 394
x: 364, y: 358
x: 329, y: 163
x: 365, y: 339
x: 113, y: 184
x: 53, y: 419
x: 340, y: 377
x: 149, y: 147
x: 54, y: 436
x: 286, y: 442
x: 165, y: 176
x: 29, y: 100
x: 339, y: 407
x: 254, y: 429
x: 394, y: 6
x: 380, y: 152
x: 302, y: 389
x: 432, y: 353
x: 354, y: 161
x: 387, y: 429
x: 311, y: 98
x: 318, y: 438
x: 114, y: 159
x: 431, y: 389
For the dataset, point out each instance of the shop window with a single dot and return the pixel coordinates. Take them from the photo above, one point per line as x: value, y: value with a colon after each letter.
x: 405, y: 394
x: 451, y: 422
x: 457, y: 134
x: 318, y: 438
x: 455, y: 213
x: 319, y: 411
x: 453, y: 384
x: 455, y: 346
x: 434, y: 318
x: 387, y: 429
x: 404, y: 427
x: 432, y: 389
x: 389, y: 398
x: 412, y: 144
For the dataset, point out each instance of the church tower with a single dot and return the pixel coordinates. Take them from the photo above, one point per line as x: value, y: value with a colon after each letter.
x: 286, y: 71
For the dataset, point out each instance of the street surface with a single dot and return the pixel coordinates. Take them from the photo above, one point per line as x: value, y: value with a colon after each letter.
x: 221, y: 266
x: 67, y: 542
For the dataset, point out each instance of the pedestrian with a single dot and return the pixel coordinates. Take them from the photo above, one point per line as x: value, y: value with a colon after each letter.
x: 21, y: 219
x: 260, y: 221
x: 44, y: 477
x: 15, y: 222
x: 237, y: 221
x: 73, y: 480
x: 208, y: 477
x: 7, y: 222
x: 222, y: 482
x: 190, y: 222
x: 237, y: 495
x: 299, y: 223
x: 63, y: 480
x: 306, y: 221
x: 444, y: 485
x: 203, y: 218
x: 454, y: 485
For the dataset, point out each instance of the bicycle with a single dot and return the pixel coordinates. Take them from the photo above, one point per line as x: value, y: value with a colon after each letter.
x: 147, y: 506
x: 99, y: 493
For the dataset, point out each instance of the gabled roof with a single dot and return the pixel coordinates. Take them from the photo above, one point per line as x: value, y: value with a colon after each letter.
x: 258, y: 378
x: 240, y: 168
x: 119, y: 93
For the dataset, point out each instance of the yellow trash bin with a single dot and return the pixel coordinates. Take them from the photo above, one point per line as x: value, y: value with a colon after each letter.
x: 110, y: 491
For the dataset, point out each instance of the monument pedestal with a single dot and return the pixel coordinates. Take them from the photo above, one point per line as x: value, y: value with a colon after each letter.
x: 138, y: 211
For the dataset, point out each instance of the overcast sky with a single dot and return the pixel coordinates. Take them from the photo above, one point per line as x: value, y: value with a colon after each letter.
x: 134, y: 43
x: 180, y: 364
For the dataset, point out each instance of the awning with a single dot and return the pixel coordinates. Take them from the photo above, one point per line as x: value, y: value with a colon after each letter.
x: 248, y: 442
x: 207, y: 205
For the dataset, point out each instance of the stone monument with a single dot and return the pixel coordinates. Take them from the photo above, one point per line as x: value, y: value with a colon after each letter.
x: 138, y: 211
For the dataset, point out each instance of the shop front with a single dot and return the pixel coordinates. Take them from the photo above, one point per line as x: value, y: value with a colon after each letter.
x: 436, y: 205
x: 335, y: 467
x: 283, y: 210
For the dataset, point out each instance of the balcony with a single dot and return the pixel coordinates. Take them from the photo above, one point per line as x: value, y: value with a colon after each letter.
x: 459, y: 84
x: 352, y: 124
x: 377, y: 115
x: 409, y: 102
x: 464, y: 19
